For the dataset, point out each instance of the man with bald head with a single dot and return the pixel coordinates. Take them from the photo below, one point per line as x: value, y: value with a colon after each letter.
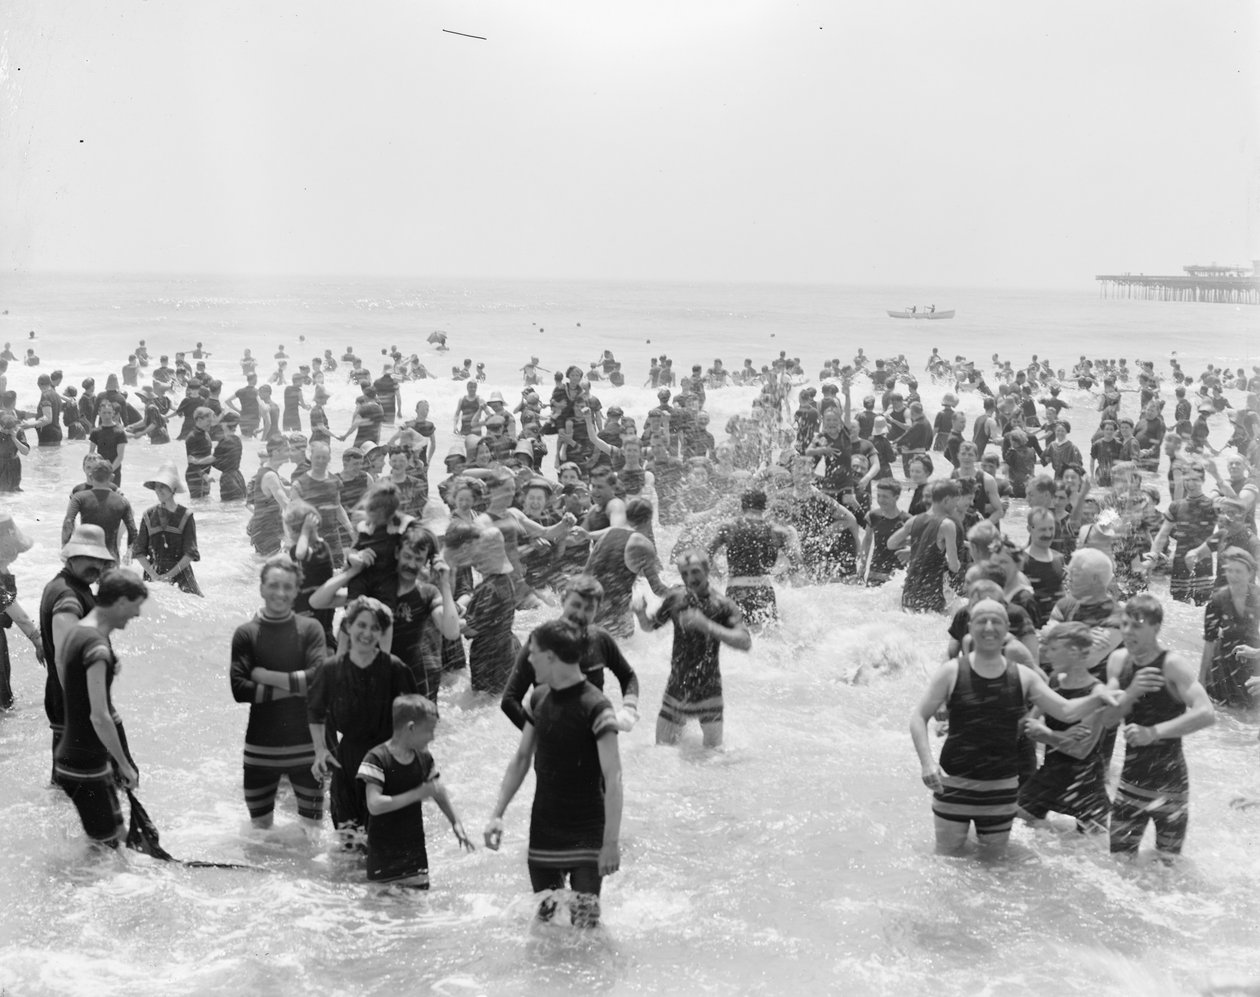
x: 1089, y: 601
x: 977, y: 778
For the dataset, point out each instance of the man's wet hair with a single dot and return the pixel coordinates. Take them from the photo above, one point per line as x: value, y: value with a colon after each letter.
x: 1144, y: 608
x: 119, y: 583
x: 281, y: 562
x: 587, y: 586
x: 944, y: 490
x: 638, y: 512
x: 562, y: 637
x: 1074, y: 633
x: 754, y: 499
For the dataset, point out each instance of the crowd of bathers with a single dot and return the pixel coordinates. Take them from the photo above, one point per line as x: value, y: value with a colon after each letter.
x: 558, y: 500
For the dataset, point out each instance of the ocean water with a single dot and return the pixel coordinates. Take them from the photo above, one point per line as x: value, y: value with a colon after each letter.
x: 799, y: 859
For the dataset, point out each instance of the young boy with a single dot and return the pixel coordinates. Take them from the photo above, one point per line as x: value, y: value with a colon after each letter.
x: 1071, y: 779
x: 571, y: 735
x: 397, y: 776
x: 881, y: 522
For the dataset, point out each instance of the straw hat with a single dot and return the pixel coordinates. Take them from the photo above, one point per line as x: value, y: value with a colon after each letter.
x: 166, y: 476
x: 87, y: 541
x: 880, y: 426
x: 12, y: 540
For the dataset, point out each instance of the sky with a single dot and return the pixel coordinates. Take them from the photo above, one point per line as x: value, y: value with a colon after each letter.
x: 946, y: 144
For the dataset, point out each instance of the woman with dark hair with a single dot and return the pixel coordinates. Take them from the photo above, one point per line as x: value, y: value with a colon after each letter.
x: 349, y: 706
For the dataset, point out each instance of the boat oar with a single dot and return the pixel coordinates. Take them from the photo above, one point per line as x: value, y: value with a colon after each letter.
x: 142, y: 836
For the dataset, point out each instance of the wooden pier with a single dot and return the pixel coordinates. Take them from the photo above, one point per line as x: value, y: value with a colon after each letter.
x: 1230, y: 285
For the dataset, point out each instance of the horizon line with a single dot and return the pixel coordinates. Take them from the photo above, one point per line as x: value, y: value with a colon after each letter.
x: 15, y: 272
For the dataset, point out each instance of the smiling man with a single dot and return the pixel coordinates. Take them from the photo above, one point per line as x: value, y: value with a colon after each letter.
x: 274, y: 658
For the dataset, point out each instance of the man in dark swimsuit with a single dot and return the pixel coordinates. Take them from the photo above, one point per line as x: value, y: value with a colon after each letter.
x: 752, y: 549
x: 66, y: 600
x: 703, y: 621
x: 1162, y: 701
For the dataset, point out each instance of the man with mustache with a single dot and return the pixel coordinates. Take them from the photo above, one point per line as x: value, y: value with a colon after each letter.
x: 67, y: 599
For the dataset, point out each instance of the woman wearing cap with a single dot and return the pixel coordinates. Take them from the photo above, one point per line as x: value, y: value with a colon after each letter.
x: 166, y: 542
x: 12, y: 543
x: 1231, y: 632
x: 349, y: 707
x: 498, y: 409
x: 943, y: 424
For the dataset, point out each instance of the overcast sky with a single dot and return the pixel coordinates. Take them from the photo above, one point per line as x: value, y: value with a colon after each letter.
x: 956, y: 143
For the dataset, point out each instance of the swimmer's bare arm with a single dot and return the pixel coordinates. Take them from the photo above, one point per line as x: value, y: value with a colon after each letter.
x: 323, y: 757
x: 437, y: 790
x: 274, y: 488
x: 447, y: 617
x: 736, y: 635
x: 62, y: 624
x: 1161, y: 538
x: 513, y: 776
x: 330, y: 594
x: 103, y: 725
x: 67, y: 524
x: 610, y: 765
x: 934, y: 697
x: 868, y: 544
x: 1142, y: 683
x: 1183, y: 680
x: 640, y: 557
x: 949, y: 541
x: 648, y: 623
x: 996, y: 512
x: 379, y: 803
x: 1205, y: 661
x: 45, y: 418
x: 519, y: 682
x: 900, y: 536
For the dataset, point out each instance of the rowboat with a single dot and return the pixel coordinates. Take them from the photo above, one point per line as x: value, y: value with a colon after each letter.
x: 920, y: 313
